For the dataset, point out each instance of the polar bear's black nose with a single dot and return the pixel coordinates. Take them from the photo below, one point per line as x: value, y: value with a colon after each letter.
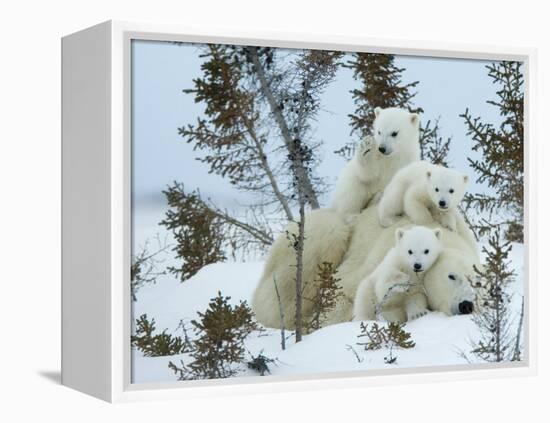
x: 442, y: 204
x: 466, y: 307
x: 382, y: 149
x: 417, y: 267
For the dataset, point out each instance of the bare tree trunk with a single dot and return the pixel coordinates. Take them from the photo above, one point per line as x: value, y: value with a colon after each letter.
x: 258, y: 234
x: 498, y: 324
x: 303, y: 184
x: 517, y: 348
x: 282, y: 316
x: 283, y: 127
x: 299, y: 271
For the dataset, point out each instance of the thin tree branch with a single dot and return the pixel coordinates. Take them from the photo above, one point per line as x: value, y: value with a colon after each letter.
x: 517, y: 348
x: 267, y: 169
x: 256, y: 233
x: 282, y: 316
x: 283, y: 127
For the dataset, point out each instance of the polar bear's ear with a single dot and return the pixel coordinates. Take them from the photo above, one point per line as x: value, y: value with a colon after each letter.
x: 437, y: 233
x: 399, y: 234
x: 377, y: 111
x: 414, y: 118
x: 466, y: 179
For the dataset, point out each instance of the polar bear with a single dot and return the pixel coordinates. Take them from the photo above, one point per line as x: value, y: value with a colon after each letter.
x: 368, y: 245
x: 394, y: 288
x: 326, y: 240
x: 424, y: 192
x: 356, y: 250
x: 394, y: 145
x: 448, y: 282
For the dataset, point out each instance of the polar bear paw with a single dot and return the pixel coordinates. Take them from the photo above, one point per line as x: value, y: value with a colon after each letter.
x: 415, y: 310
x: 417, y: 315
x: 399, y: 288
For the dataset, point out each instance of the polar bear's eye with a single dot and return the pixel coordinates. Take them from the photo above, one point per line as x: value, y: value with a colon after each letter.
x: 394, y: 133
x: 426, y: 251
x: 451, y: 190
x: 379, y: 133
x: 452, y: 277
x: 410, y: 252
x: 437, y: 190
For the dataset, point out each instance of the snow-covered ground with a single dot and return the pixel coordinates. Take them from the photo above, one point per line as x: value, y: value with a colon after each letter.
x: 439, y: 338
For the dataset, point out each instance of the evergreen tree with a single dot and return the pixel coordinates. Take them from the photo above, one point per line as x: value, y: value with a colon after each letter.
x: 155, y: 345
x: 382, y: 86
x: 390, y: 337
x: 144, y: 268
x: 258, y: 132
x: 433, y: 147
x: 258, y: 107
x: 499, y: 339
x: 218, y: 349
x: 197, y: 229
x: 327, y: 295
x: 501, y: 164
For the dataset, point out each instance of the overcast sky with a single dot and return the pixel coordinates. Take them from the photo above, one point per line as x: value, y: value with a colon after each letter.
x: 161, y: 70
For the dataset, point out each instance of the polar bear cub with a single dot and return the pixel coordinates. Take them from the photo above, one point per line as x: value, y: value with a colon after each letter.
x: 398, y: 291
x: 424, y: 192
x: 377, y: 158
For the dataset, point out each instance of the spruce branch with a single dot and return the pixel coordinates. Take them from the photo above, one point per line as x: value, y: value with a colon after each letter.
x: 497, y: 341
x: 502, y: 149
x: 390, y: 337
x: 218, y: 347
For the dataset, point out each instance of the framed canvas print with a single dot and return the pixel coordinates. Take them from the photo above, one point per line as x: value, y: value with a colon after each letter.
x: 242, y: 210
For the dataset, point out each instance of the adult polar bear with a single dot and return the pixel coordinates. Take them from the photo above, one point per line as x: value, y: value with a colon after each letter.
x: 394, y: 145
x: 356, y: 250
x: 446, y: 282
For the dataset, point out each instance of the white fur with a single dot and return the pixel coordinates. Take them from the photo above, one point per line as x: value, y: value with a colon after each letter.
x: 356, y: 250
x: 377, y: 159
x: 424, y: 192
x: 369, y: 244
x: 395, y: 286
x: 448, y: 281
x: 326, y: 239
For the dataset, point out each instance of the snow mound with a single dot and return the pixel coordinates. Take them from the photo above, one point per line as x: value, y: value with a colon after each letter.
x: 439, y: 339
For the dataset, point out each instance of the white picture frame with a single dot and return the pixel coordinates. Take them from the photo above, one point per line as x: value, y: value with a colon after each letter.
x: 96, y: 318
